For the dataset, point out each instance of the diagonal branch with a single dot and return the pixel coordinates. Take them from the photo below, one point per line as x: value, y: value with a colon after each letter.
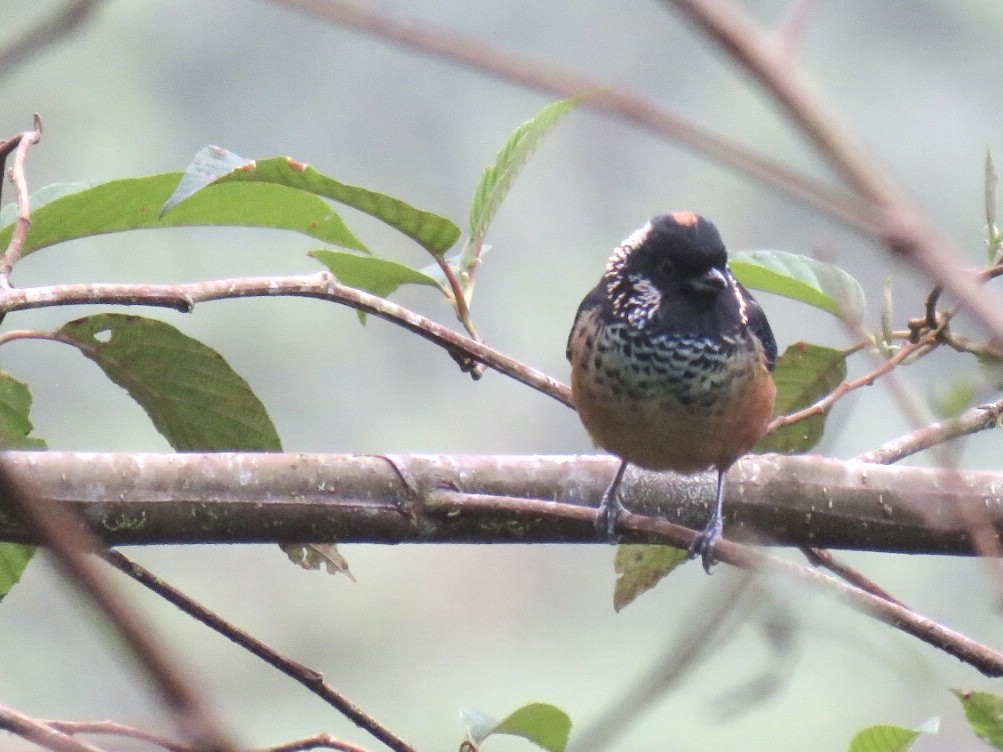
x: 901, y: 226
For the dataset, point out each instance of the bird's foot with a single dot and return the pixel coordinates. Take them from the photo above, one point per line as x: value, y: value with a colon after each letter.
x: 703, y: 544
x: 610, y: 509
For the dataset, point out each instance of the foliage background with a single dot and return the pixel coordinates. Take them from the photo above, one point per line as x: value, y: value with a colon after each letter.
x: 428, y: 630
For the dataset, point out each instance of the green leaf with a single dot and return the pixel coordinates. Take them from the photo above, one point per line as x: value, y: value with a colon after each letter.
x: 884, y: 739
x: 216, y: 167
x: 195, y: 400
x: 497, y: 179
x: 545, y: 725
x: 14, y: 558
x: 804, y: 374
x: 83, y: 210
x: 15, y: 425
x: 984, y: 711
x: 640, y: 567
x: 375, y: 275
x: 801, y: 278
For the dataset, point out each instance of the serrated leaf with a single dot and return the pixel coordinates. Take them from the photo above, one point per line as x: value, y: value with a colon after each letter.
x: 546, y: 726
x: 15, y: 425
x: 801, y: 278
x: 317, y: 556
x: 804, y: 374
x: 434, y: 233
x: 83, y: 210
x: 984, y: 711
x: 14, y: 558
x: 639, y: 567
x: 884, y: 739
x: 195, y: 400
x: 497, y: 178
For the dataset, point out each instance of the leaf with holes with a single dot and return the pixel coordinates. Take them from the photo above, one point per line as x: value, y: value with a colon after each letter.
x: 804, y: 374
x: 639, y: 567
x: 801, y: 278
x: 215, y: 168
x: 195, y: 400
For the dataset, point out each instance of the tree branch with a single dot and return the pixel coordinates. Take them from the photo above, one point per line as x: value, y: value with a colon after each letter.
x: 901, y: 226
x: 233, y: 498
x: 321, y: 285
x: 600, y: 95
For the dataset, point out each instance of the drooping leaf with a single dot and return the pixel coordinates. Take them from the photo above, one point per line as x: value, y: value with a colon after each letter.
x: 801, y: 278
x: 546, y: 726
x: 317, y: 556
x: 195, y: 400
x: 434, y: 233
x: 84, y: 210
x: 497, y: 178
x: 15, y: 425
x: 884, y: 739
x: 984, y: 711
x: 14, y: 558
x: 804, y: 374
x: 639, y: 567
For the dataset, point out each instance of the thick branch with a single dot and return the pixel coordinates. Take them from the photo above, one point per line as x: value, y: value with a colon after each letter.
x: 232, y: 498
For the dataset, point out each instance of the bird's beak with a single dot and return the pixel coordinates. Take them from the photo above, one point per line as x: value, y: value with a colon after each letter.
x: 711, y: 281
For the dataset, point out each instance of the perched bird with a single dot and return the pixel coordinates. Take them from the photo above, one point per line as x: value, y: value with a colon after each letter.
x: 671, y: 361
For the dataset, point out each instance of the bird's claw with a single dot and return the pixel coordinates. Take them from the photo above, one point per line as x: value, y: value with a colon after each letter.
x: 607, y: 515
x: 703, y: 544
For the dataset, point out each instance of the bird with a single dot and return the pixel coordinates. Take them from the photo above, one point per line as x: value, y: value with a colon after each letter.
x: 671, y: 362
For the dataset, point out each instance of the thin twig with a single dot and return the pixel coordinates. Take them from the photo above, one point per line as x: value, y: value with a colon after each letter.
x: 40, y: 733
x: 321, y: 285
x: 982, y: 657
x: 309, y: 678
x: 13, y: 253
x: 599, y: 95
x: 110, y: 728
x: 846, y: 387
x: 971, y: 421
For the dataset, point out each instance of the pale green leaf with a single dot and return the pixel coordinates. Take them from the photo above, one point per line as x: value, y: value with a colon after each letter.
x: 801, y: 278
x: 984, y: 711
x: 884, y: 739
x: 546, y: 726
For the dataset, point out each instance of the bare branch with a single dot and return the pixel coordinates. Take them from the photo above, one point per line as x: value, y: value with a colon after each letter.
x: 534, y: 73
x: 308, y: 677
x: 974, y: 420
x: 265, y: 497
x: 13, y: 253
x: 321, y: 285
x: 40, y: 733
x: 901, y: 226
x: 70, y: 543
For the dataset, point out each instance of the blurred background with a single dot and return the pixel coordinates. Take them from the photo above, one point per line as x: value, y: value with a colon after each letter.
x: 139, y: 88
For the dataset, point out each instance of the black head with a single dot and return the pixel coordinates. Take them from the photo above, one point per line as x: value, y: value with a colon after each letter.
x: 678, y: 257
